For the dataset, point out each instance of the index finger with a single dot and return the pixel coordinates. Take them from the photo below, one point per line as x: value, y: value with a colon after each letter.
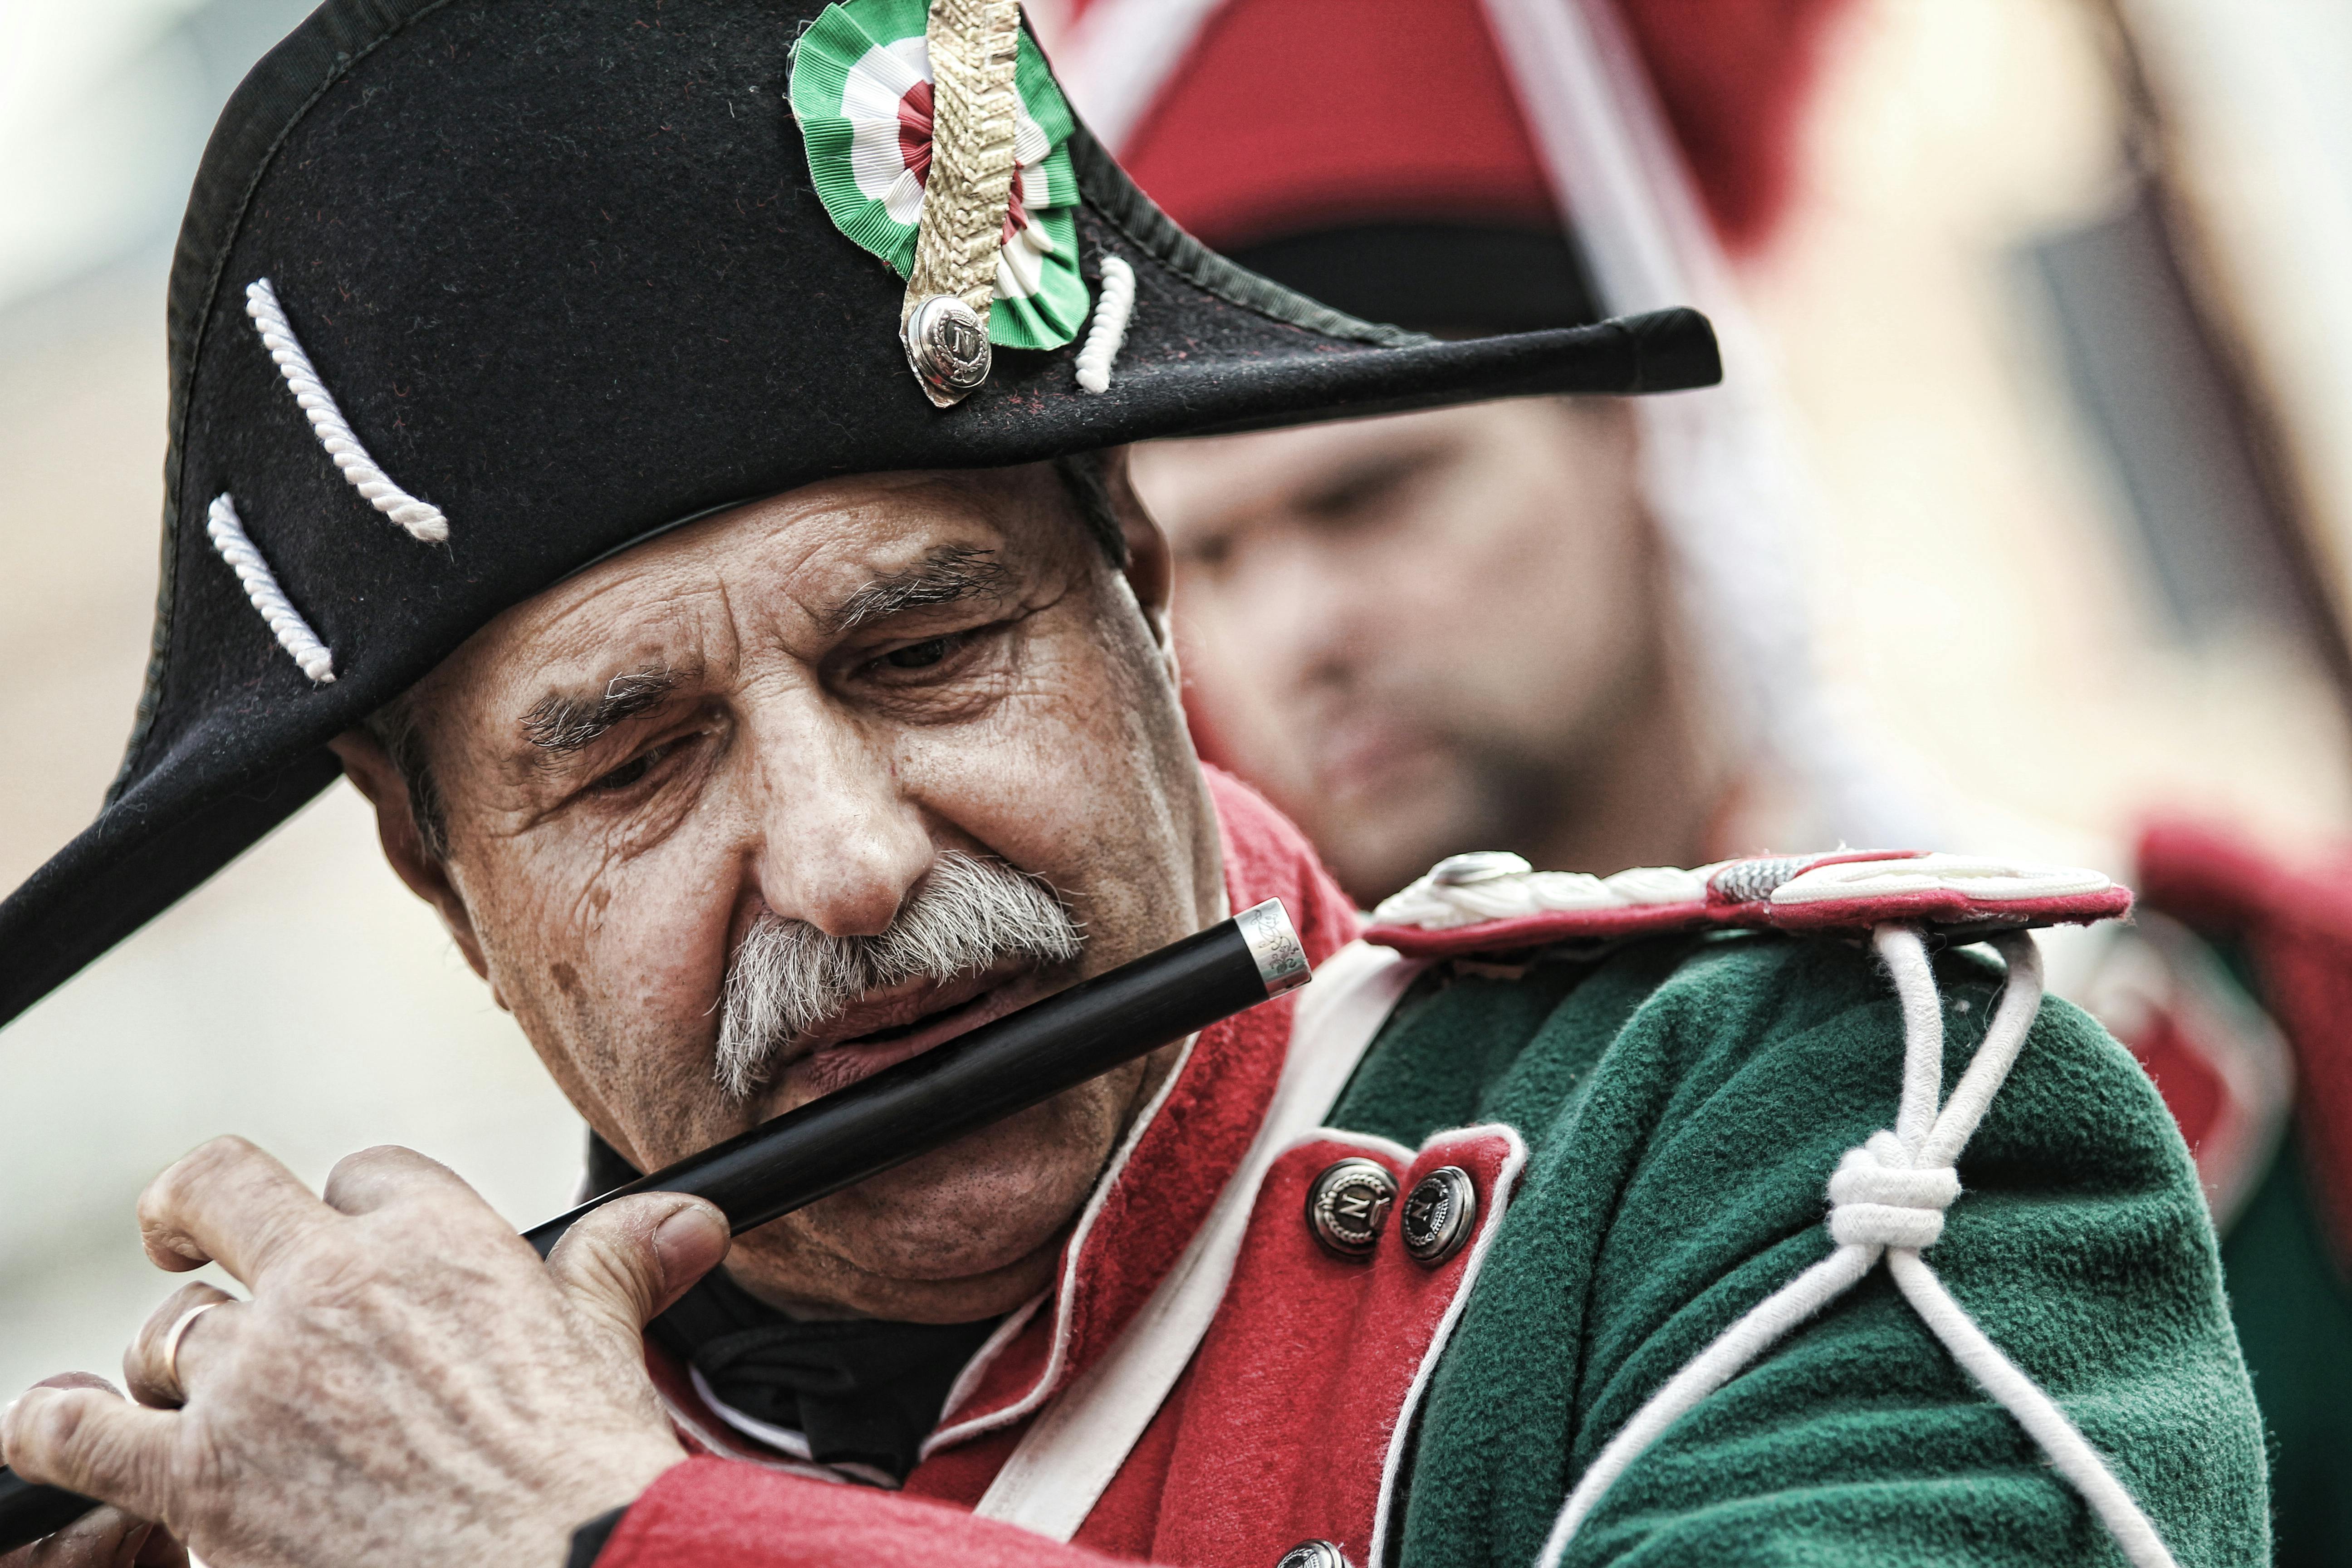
x: 64, y: 1379
x: 228, y: 1203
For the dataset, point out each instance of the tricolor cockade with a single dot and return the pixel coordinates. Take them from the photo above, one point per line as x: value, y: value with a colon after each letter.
x: 862, y: 91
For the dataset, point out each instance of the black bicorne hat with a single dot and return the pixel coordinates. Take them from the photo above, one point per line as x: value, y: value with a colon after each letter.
x: 473, y: 293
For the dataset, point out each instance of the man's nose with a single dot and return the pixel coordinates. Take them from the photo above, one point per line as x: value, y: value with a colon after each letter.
x: 840, y: 846
x: 1306, y: 624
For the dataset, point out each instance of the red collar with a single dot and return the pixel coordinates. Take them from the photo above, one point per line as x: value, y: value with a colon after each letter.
x: 1180, y: 1155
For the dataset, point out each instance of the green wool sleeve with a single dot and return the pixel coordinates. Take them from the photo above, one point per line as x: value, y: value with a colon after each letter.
x: 1681, y: 1148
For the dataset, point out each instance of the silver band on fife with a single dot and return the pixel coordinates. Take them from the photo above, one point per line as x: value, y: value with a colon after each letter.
x: 171, y: 1345
x: 1281, y: 960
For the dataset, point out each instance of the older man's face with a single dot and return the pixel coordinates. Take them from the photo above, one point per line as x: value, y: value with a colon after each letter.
x: 672, y: 782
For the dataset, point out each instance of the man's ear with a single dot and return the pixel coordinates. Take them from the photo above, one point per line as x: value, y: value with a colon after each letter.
x: 1151, y: 568
x: 372, y: 772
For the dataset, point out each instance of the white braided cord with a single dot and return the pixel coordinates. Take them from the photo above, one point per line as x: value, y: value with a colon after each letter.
x: 1887, y: 1200
x: 226, y: 531
x: 2068, y: 1452
x: 1905, y: 957
x: 1434, y: 904
x: 422, y: 519
x: 1108, y: 332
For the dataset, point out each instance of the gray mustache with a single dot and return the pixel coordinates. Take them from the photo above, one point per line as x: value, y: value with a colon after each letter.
x: 789, y: 977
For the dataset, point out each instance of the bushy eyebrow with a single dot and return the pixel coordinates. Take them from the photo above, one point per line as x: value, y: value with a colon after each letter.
x: 562, y: 721
x: 949, y: 574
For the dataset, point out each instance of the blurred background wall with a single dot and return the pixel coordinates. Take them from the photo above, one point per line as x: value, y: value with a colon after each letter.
x: 2069, y: 562
x: 2062, y: 312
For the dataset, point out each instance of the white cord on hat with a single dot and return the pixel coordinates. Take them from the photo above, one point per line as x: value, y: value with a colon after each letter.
x: 1109, y: 331
x: 422, y: 519
x: 1887, y: 1199
x: 226, y: 531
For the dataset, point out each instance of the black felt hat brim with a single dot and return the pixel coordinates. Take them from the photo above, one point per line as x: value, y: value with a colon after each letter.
x: 569, y: 318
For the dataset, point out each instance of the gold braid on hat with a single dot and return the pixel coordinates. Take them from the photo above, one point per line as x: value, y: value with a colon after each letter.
x: 975, y: 112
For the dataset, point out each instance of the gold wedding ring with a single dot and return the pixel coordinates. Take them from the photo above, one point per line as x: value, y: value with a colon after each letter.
x: 172, y: 1346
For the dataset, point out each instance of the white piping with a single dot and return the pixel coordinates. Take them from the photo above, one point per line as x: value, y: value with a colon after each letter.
x: 1108, y: 329
x: 966, y: 1382
x: 1071, y: 1452
x: 422, y: 519
x: 1506, y: 1181
x: 226, y: 531
x: 784, y: 1440
x: 1887, y: 1199
x: 720, y: 1444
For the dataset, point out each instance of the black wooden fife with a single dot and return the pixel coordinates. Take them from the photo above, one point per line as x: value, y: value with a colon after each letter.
x: 923, y: 1103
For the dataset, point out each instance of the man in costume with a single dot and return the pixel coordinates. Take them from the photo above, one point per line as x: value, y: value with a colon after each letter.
x: 659, y: 452
x: 1371, y: 613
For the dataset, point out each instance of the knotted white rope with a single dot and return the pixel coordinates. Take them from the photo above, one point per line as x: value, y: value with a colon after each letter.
x: 226, y: 531
x: 1877, y: 1198
x: 422, y: 519
x: 1887, y: 1200
x: 1108, y: 329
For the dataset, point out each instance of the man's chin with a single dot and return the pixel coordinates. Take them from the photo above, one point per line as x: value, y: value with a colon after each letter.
x: 1378, y: 847
x: 988, y: 1211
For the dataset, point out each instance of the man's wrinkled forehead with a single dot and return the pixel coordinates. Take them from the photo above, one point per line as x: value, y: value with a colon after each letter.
x: 802, y: 569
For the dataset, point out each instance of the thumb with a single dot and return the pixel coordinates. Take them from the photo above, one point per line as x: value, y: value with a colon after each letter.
x: 93, y: 1441
x: 628, y: 1260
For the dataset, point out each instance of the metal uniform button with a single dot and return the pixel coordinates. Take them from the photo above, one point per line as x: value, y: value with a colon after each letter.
x: 1439, y: 1215
x: 948, y: 345
x: 1346, y: 1206
x: 1312, y: 1554
x: 1477, y: 866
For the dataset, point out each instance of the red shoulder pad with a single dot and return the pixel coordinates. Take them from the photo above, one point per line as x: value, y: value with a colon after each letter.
x: 1495, y: 902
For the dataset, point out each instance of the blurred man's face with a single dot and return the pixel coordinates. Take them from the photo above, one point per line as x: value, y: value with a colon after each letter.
x: 1415, y: 632
x: 761, y: 807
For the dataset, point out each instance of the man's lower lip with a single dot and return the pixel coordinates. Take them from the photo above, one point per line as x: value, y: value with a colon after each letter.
x: 845, y: 1062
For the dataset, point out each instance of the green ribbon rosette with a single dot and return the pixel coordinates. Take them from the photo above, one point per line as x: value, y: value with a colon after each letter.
x: 861, y: 88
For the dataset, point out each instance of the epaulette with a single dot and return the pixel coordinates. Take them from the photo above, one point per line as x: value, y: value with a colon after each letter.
x: 1495, y: 902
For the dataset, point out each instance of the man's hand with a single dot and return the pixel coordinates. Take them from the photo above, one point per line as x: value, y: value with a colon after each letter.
x: 408, y: 1382
x: 104, y: 1538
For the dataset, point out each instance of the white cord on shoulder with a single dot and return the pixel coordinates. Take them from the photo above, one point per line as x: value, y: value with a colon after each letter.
x: 226, y: 531
x: 1887, y: 1199
x: 1108, y: 329
x: 422, y: 519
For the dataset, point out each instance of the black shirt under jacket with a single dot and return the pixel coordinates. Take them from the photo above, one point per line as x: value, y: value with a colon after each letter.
x: 863, y: 1390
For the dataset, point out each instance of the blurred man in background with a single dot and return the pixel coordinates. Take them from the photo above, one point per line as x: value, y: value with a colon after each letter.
x: 1572, y: 631
x: 1498, y: 648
